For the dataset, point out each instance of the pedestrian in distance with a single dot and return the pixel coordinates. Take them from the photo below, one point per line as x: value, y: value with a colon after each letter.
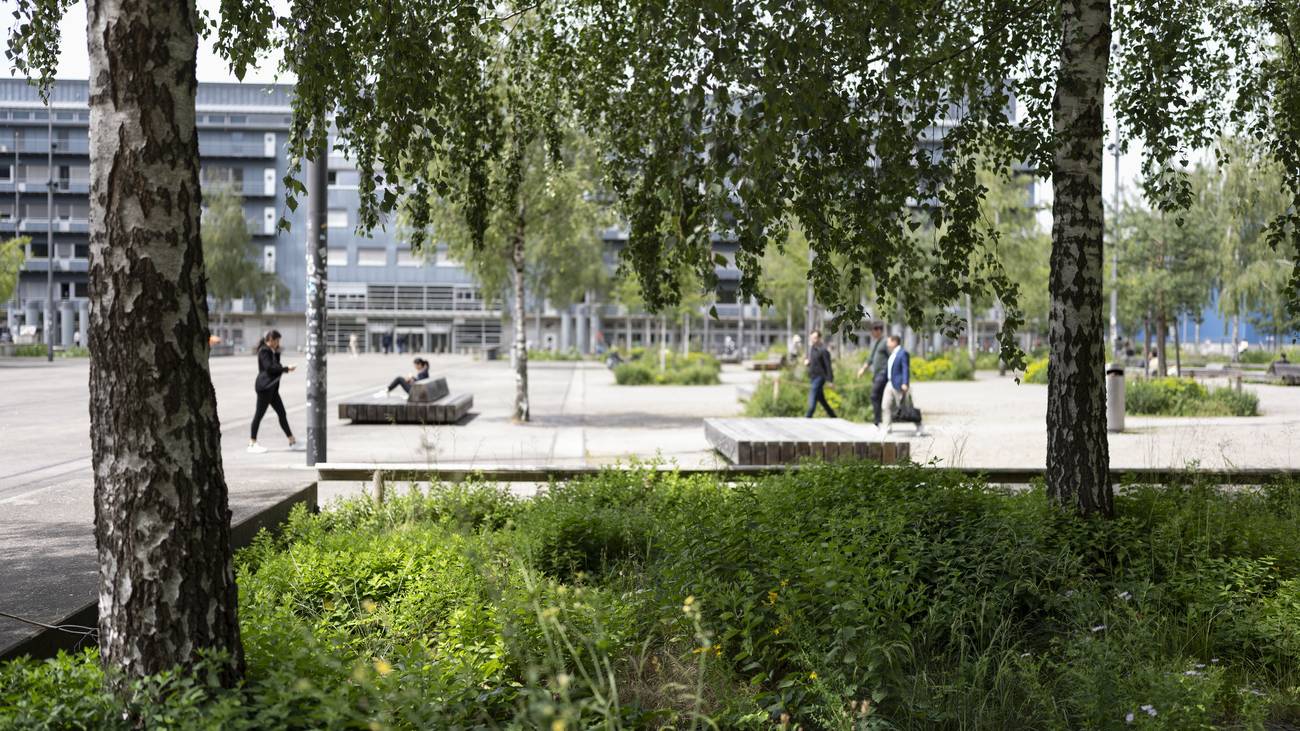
x: 421, y: 373
x: 899, y: 367
x: 353, y: 346
x: 819, y: 372
x: 267, y: 386
x: 878, y: 362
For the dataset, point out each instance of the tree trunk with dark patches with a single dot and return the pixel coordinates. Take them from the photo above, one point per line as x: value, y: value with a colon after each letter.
x: 1078, y: 456
x: 521, y: 337
x: 162, y: 524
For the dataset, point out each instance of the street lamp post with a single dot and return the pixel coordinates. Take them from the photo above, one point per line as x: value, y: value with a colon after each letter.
x: 317, y: 205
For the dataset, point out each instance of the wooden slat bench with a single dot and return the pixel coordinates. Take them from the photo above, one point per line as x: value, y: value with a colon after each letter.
x: 776, y: 441
x: 1288, y: 372
x: 429, y: 402
x: 766, y: 364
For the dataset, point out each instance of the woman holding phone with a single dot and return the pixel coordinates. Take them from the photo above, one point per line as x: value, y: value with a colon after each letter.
x: 269, y: 371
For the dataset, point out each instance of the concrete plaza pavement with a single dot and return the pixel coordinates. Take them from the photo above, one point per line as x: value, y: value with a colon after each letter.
x: 579, y: 416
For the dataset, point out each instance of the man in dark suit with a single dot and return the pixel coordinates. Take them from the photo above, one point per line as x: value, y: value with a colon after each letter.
x: 878, y: 362
x: 900, y: 379
x: 819, y: 372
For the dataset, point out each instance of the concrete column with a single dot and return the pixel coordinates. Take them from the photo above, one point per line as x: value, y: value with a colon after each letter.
x: 68, y: 322
x: 595, y: 327
x: 584, y: 347
x: 566, y: 331
x: 83, y: 321
x: 33, y: 310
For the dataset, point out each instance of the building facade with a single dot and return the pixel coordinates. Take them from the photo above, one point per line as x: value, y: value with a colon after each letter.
x: 378, y: 291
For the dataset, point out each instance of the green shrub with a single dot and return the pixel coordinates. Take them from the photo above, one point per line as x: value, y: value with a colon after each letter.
x: 31, y: 350
x: 843, y: 597
x: 1185, y: 397
x: 987, y: 361
x: 635, y: 373
x: 1036, y: 372
x: 692, y: 369
x: 788, y: 399
x: 39, y: 350
x: 950, y: 367
x: 554, y: 355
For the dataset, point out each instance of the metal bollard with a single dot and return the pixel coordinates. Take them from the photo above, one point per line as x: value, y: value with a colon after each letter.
x: 1114, y: 397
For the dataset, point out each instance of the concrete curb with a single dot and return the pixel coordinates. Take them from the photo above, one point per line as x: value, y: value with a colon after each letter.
x: 48, y: 642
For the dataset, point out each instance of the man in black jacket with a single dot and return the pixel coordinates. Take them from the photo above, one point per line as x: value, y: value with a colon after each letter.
x: 819, y: 372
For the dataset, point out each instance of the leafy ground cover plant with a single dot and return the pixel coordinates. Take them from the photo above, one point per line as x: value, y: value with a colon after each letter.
x: 838, y: 597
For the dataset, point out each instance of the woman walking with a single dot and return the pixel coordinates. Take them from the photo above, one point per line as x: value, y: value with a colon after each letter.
x: 269, y: 371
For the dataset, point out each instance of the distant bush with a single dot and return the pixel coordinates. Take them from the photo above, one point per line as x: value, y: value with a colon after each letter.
x: 1036, y: 372
x: 75, y: 351
x: 1185, y: 397
x: 949, y: 367
x: 32, y: 350
x: 987, y: 361
x: 635, y: 373
x: 790, y: 398
x: 692, y: 369
x: 550, y: 355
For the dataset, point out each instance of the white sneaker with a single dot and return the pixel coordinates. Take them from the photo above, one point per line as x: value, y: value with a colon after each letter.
x: 256, y: 449
x: 297, y: 447
x: 381, y: 394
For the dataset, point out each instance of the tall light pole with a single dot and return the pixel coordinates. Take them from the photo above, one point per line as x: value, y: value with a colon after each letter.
x: 49, y: 235
x: 317, y: 239
x: 1114, y: 261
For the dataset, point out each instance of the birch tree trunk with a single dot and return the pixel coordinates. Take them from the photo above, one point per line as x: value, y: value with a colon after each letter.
x: 521, y: 338
x: 970, y: 329
x: 162, y: 523
x: 1078, y: 456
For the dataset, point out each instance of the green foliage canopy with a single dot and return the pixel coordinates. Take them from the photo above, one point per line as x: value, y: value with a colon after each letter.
x: 12, y: 255
x: 233, y: 273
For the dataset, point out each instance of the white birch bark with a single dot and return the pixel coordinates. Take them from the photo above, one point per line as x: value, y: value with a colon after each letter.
x: 1078, y: 455
x: 162, y: 524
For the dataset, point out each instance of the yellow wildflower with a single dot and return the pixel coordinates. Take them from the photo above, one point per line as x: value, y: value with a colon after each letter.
x: 383, y: 667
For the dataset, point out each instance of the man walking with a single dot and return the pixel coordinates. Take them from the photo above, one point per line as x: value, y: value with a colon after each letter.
x: 899, y: 368
x: 878, y: 362
x: 819, y: 372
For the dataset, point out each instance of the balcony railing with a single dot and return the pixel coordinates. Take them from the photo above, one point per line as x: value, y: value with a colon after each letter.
x: 71, y: 145
x: 33, y: 186
x: 233, y: 149
x: 408, y: 298
x: 61, y: 225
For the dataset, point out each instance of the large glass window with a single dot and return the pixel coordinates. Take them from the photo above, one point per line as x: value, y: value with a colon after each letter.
x: 372, y: 257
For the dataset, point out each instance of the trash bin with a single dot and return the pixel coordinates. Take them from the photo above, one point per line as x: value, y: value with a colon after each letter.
x: 1114, y: 397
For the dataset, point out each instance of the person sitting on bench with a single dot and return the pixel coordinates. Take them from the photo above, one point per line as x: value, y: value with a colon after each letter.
x: 421, y: 373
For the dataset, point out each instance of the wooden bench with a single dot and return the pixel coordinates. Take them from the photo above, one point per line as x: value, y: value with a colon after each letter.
x: 429, y: 402
x: 766, y: 364
x: 1288, y: 372
x: 784, y: 440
